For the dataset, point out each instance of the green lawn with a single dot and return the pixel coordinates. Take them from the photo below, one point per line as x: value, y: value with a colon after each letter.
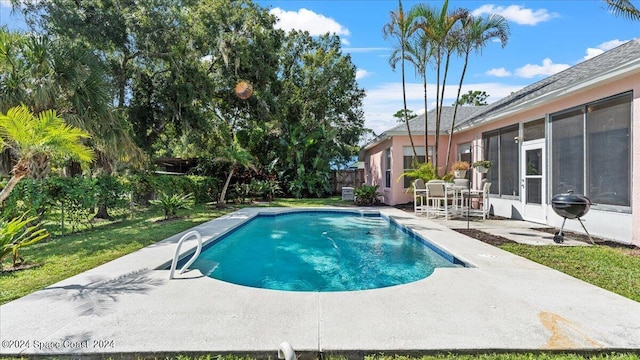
x: 614, y: 269
x: 64, y: 256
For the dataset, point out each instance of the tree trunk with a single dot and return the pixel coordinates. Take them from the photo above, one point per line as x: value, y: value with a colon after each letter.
x: 73, y: 168
x: 406, y: 119
x: 223, y: 194
x: 102, y: 213
x: 39, y: 166
x: 426, y: 118
x: 19, y: 171
x: 455, y: 109
x: 4, y: 194
x: 6, y: 161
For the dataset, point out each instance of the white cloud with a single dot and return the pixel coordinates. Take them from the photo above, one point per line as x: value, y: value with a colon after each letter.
x: 307, y: 20
x: 5, y: 3
x: 344, y: 41
x: 517, y: 13
x: 385, y: 99
x: 499, y: 72
x: 362, y: 73
x: 593, y: 52
x: 547, y: 68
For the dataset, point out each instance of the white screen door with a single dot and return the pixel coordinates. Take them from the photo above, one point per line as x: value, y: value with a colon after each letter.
x: 534, y: 187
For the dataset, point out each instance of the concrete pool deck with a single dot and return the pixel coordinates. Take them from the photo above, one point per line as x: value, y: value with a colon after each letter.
x: 502, y: 302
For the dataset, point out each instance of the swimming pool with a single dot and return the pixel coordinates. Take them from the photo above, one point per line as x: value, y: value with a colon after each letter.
x: 321, y: 251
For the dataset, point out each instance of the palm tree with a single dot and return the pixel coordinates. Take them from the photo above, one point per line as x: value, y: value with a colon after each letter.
x: 400, y: 28
x: 33, y: 138
x: 419, y: 51
x: 44, y: 73
x: 438, y: 26
x: 473, y: 35
x: 238, y: 156
x: 623, y: 8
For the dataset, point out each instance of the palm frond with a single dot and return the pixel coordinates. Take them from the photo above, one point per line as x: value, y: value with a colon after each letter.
x: 623, y: 8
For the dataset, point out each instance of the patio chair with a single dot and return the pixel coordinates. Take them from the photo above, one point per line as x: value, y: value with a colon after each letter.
x: 438, y: 199
x: 419, y: 196
x: 481, y: 199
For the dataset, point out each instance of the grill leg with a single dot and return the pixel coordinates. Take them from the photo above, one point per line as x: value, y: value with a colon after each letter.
x: 585, y: 230
x: 559, y: 236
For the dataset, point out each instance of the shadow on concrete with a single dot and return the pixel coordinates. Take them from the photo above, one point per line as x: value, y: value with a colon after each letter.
x: 96, y: 297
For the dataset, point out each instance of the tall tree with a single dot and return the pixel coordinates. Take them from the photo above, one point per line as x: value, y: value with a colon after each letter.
x: 438, y: 26
x: 400, y: 115
x: 43, y: 136
x: 318, y: 119
x: 473, y: 98
x: 238, y: 157
x: 473, y: 35
x: 399, y: 29
x: 420, y: 49
x: 44, y: 72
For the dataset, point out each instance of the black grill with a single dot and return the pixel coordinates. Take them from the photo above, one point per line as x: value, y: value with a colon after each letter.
x: 570, y: 206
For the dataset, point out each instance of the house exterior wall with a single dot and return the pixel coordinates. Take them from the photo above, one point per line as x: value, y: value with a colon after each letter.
x: 374, y: 165
x: 620, y: 226
x: 397, y: 194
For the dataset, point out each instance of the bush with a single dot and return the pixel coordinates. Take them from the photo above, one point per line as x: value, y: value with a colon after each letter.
x: 366, y: 195
x: 16, y: 234
x: 28, y: 195
x: 111, y: 193
x: 425, y: 172
x: 146, y: 186
x: 170, y: 204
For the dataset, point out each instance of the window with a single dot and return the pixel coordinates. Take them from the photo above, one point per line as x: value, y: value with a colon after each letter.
x: 533, y: 130
x: 407, y: 158
x: 387, y: 168
x: 567, y: 159
x: 464, y: 152
x: 501, y: 148
x: 591, y: 151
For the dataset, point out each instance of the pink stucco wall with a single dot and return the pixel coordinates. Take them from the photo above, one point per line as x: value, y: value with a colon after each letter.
x: 396, y: 194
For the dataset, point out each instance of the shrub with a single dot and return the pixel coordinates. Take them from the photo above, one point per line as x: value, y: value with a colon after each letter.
x: 367, y: 195
x: 170, y: 204
x: 16, y: 234
x: 110, y: 193
x: 425, y: 172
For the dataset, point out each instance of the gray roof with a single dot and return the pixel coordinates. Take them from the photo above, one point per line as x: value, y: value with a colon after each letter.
x: 608, y: 66
x: 417, y: 124
x: 623, y: 59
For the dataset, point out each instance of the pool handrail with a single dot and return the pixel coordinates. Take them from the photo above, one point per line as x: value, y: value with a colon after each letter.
x: 174, y: 263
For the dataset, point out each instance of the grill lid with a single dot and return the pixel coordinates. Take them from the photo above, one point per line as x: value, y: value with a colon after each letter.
x: 570, y: 199
x: 570, y: 205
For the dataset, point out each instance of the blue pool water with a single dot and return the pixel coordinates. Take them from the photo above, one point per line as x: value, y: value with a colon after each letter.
x: 321, y: 251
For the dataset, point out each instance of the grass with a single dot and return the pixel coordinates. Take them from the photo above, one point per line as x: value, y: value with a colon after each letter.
x: 613, y: 269
x: 64, y: 256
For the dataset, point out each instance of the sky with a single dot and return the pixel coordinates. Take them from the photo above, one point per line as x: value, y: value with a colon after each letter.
x: 545, y: 37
